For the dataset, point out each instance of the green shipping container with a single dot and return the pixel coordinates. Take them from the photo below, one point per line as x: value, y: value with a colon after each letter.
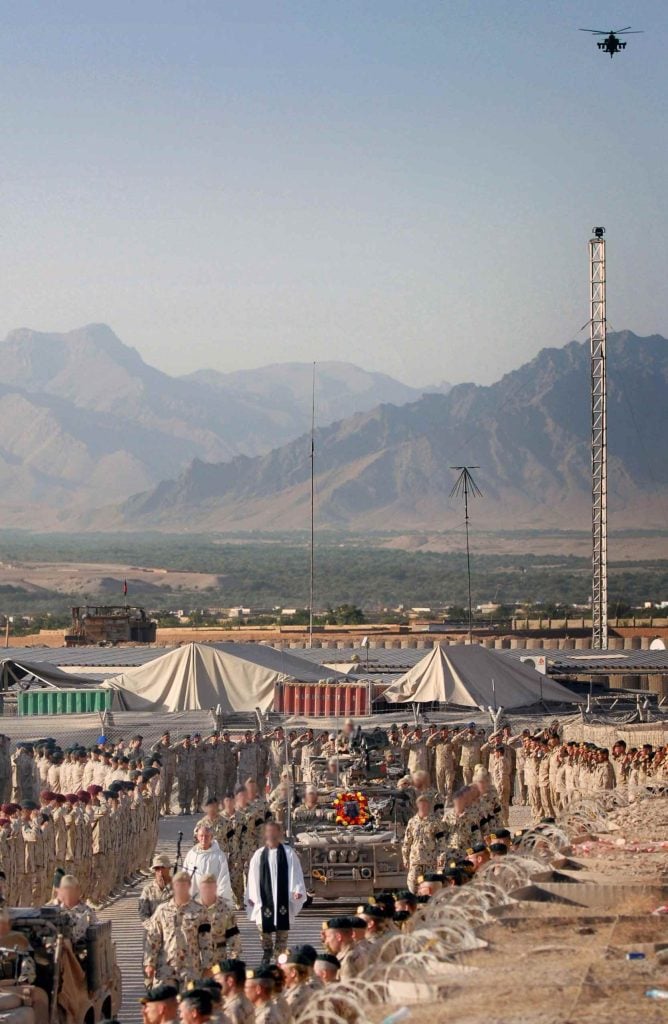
x: 64, y: 702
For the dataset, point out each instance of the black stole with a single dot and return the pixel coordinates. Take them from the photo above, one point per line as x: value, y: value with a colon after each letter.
x: 282, y: 892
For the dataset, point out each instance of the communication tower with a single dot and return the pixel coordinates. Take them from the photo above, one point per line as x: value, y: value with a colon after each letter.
x: 599, y: 440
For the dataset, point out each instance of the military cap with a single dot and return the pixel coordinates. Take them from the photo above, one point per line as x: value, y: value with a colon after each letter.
x: 212, y: 987
x: 340, y: 923
x: 295, y: 957
x: 357, y: 922
x: 503, y: 833
x: 160, y: 860
x: 308, y: 951
x: 405, y: 896
x: 330, y: 959
x: 4, y: 821
x: 29, y: 805
x: 431, y: 876
x: 198, y: 999
x: 400, y: 916
x: 110, y: 794
x: 423, y: 899
x: 478, y: 848
x: 262, y: 974
x: 371, y: 910
x: 234, y: 967
x: 160, y: 994
x: 499, y: 848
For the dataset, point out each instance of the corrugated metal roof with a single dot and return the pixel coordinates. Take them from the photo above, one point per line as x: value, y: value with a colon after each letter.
x: 588, y: 661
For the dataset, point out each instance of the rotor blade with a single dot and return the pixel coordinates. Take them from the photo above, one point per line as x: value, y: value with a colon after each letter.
x: 616, y: 31
x: 595, y: 31
x: 631, y: 32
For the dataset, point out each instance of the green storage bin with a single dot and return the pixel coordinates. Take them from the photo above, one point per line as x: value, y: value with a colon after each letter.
x: 63, y: 702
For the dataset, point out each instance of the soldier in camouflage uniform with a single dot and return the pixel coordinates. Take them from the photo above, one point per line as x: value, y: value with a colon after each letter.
x: 460, y: 823
x: 259, y: 989
x: 214, y: 821
x: 309, y: 812
x: 444, y: 762
x: 167, y: 753
x: 158, y: 890
x: 422, y: 842
x: 185, y: 774
x: 231, y: 976
x: 235, y: 844
x: 178, y: 938
x: 225, y: 936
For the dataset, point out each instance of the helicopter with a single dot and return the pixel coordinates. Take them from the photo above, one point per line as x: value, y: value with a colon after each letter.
x: 612, y: 44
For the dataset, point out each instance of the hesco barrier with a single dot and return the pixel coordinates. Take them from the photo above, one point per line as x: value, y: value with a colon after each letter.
x: 64, y: 702
x: 323, y: 700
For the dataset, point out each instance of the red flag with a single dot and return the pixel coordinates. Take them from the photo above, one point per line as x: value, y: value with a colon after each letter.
x: 125, y: 587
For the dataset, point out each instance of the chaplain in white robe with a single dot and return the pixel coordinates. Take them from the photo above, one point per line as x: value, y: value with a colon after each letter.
x: 275, y: 892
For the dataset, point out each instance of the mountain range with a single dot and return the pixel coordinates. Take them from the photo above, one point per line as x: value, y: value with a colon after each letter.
x: 390, y: 467
x: 87, y: 422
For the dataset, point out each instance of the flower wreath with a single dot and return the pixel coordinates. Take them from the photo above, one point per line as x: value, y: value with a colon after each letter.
x: 351, y: 809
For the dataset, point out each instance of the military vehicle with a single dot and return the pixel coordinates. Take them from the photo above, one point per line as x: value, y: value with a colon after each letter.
x: 345, y: 861
x: 82, y: 981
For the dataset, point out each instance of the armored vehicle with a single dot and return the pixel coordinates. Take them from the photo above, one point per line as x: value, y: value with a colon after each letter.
x: 349, y: 862
x: 81, y: 980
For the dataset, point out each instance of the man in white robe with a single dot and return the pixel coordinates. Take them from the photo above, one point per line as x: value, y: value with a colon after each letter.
x: 275, y: 892
x: 207, y: 858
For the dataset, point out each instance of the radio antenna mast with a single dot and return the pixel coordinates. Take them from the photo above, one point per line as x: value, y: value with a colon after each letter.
x: 465, y: 487
x: 312, y: 566
x: 599, y: 440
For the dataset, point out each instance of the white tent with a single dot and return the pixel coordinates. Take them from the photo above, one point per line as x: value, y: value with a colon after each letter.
x: 472, y: 676
x: 23, y: 673
x: 238, y: 677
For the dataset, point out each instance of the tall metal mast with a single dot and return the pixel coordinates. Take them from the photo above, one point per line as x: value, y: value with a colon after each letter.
x: 312, y: 567
x: 599, y: 441
x: 466, y: 487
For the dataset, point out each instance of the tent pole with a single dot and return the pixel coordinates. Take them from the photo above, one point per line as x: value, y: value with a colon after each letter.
x: 312, y: 566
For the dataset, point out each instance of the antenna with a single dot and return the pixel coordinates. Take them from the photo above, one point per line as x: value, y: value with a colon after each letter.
x: 465, y: 487
x: 599, y: 440
x: 312, y: 568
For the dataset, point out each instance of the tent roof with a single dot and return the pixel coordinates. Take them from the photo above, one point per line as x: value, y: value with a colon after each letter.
x: 43, y: 672
x: 238, y: 677
x: 475, y: 677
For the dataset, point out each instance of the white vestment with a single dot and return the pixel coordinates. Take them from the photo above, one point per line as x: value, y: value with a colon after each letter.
x: 296, y: 887
x: 199, y: 862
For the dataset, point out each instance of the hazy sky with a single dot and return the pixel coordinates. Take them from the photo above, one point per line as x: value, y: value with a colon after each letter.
x: 407, y: 184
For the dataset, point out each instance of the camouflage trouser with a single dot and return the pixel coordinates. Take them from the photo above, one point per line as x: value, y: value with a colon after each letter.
x: 199, y: 790
x: 468, y: 775
x: 534, y: 802
x: 186, y: 786
x: 273, y: 944
x: 166, y: 795
x: 414, y: 872
x: 546, y: 801
x: 445, y: 782
x: 237, y: 881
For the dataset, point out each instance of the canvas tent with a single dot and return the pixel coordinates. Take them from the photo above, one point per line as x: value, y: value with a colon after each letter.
x: 23, y: 674
x: 472, y: 676
x: 238, y: 677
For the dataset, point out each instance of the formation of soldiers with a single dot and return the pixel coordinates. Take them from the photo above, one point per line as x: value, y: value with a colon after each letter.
x: 89, y: 814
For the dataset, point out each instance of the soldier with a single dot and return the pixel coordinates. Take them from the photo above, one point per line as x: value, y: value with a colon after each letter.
x: 500, y: 774
x: 79, y: 914
x: 213, y: 819
x: 178, y: 938
x: 469, y: 744
x: 296, y: 968
x: 422, y: 842
x: 247, y: 758
x: 326, y: 968
x: 158, y: 890
x: 309, y: 812
x: 231, y: 976
x: 185, y: 774
x: 168, y: 755
x: 200, y: 758
x: 444, y: 762
x: 338, y: 940
x: 604, y: 773
x: 259, y: 990
x: 278, y: 755
x: 25, y: 777
x: 5, y: 769
x: 415, y: 745
x: 308, y: 748
x: 233, y: 841
x: 196, y: 1005
x: 160, y: 1005
x: 226, y: 765
x: 225, y: 936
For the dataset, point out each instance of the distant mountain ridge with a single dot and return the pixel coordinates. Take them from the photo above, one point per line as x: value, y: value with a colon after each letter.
x: 87, y: 421
x: 389, y: 468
